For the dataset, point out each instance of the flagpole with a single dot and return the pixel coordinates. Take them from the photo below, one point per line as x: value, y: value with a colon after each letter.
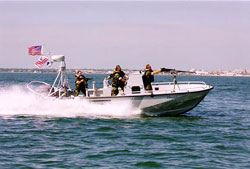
x: 47, y: 51
x: 42, y: 49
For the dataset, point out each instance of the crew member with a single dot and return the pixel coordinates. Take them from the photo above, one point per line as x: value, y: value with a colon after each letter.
x: 80, y: 83
x: 118, y: 80
x: 148, y: 76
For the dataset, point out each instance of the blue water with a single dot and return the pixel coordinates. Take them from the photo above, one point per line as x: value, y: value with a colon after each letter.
x: 36, y: 133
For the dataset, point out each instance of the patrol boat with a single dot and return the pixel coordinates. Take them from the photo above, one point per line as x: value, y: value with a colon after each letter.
x: 165, y: 98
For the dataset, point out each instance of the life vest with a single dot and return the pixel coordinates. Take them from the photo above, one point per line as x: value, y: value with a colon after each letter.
x: 116, y: 78
x: 84, y: 83
x: 148, y: 77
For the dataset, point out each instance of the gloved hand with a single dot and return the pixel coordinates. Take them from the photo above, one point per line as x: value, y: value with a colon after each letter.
x: 123, y: 80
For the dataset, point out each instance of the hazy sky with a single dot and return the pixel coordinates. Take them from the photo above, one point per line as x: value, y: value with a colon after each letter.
x: 101, y: 34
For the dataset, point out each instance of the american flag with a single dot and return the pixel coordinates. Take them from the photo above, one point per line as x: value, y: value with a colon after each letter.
x: 35, y: 50
x: 41, y: 61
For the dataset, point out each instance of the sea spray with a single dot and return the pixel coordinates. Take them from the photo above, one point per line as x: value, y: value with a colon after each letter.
x: 16, y: 100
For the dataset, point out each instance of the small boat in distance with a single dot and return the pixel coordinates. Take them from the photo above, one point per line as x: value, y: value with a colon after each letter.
x: 165, y: 98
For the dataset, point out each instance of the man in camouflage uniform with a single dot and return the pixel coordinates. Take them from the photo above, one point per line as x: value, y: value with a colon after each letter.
x: 118, y: 80
x: 148, y: 77
x: 80, y: 83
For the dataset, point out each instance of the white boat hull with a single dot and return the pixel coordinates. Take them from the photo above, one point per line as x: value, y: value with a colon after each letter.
x: 169, y: 104
x: 175, y: 104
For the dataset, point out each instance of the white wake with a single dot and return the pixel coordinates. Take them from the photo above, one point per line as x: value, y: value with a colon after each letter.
x: 17, y: 101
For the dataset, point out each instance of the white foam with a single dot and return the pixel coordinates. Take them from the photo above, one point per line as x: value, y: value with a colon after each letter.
x: 17, y: 101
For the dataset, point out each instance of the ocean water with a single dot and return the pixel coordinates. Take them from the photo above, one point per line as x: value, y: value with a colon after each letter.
x: 49, y: 133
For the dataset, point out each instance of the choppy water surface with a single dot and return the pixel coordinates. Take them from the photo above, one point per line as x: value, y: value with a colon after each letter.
x: 38, y: 133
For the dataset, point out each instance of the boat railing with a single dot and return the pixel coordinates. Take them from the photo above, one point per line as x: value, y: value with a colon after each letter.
x: 189, y: 85
x: 179, y: 83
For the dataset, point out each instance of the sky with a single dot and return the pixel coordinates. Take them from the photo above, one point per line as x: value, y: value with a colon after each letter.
x: 208, y: 35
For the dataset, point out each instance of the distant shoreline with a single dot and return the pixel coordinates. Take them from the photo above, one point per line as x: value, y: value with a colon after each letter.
x: 108, y: 71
